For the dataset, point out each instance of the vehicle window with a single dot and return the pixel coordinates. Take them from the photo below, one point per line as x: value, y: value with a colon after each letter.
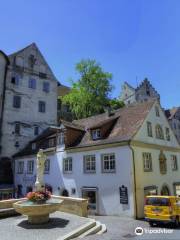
x: 158, y: 201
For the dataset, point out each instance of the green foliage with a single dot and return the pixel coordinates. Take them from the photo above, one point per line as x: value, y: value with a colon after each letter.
x: 116, y: 103
x: 90, y: 94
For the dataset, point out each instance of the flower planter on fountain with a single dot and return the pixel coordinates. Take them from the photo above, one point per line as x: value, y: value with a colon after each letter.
x: 39, y: 203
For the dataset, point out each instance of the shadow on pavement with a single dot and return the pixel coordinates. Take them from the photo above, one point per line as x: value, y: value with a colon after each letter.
x: 53, y: 223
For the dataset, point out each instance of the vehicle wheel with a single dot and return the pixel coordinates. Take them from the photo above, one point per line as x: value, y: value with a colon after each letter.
x: 176, y: 222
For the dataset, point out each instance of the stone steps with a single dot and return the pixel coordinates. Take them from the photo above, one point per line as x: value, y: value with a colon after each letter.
x: 92, y: 230
x: 79, y: 231
x: 93, y: 227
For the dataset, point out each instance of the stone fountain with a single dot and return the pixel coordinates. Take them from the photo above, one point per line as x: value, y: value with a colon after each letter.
x: 38, y: 213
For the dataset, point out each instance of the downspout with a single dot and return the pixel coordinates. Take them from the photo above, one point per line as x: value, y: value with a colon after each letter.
x: 134, y: 175
x: 3, y: 100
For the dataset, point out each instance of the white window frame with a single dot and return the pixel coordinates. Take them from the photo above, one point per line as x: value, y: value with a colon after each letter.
x: 147, y: 161
x: 89, y: 164
x: 47, y: 166
x: 174, y: 163
x: 20, y: 167
x: 30, y: 166
x: 96, y: 134
x: 67, y: 165
x: 51, y: 142
x: 107, y: 157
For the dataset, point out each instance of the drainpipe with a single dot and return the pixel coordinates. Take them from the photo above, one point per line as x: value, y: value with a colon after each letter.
x: 134, y: 175
x: 3, y: 99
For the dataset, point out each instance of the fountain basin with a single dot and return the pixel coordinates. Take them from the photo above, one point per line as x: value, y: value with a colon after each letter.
x: 37, y: 213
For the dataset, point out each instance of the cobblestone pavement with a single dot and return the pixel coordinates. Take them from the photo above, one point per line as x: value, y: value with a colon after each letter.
x: 123, y: 228
x: 17, y: 228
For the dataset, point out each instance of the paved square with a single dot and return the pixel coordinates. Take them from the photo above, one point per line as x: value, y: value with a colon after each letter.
x: 17, y: 228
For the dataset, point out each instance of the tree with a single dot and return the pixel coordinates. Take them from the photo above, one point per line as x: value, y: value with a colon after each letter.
x: 90, y: 94
x: 115, y: 103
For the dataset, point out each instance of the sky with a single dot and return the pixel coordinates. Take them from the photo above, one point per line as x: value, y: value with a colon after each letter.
x: 132, y: 39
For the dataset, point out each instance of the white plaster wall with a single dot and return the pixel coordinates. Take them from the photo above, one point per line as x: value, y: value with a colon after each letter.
x: 127, y: 94
x: 28, y: 113
x: 107, y: 183
x: 162, y: 120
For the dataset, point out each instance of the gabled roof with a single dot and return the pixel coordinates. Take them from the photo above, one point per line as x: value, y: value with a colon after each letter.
x: 34, y: 46
x: 129, y: 120
x: 121, y: 126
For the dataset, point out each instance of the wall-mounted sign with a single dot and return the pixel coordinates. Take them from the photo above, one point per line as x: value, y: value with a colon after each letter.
x: 123, y: 191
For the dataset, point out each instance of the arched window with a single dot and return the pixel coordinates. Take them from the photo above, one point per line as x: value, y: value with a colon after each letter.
x: 159, y: 132
x: 65, y: 193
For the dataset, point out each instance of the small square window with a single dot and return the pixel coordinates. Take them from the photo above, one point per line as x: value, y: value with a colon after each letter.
x: 96, y: 134
x: 67, y: 165
x: 30, y: 167
x: 15, y: 80
x: 42, y: 106
x: 32, y: 83
x: 46, y: 87
x: 36, y: 130
x: 89, y: 164
x: 108, y: 163
x: 17, y: 102
x: 51, y: 142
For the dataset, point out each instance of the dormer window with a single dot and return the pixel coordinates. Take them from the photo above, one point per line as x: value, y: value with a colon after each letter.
x: 96, y: 134
x: 51, y: 142
x: 33, y: 146
x: 61, y: 138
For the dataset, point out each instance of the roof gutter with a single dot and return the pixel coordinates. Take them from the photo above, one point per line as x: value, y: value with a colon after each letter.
x: 134, y: 179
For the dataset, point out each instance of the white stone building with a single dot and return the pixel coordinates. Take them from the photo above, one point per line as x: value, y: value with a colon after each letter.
x: 144, y: 92
x: 173, y: 116
x: 30, y: 101
x: 113, y: 159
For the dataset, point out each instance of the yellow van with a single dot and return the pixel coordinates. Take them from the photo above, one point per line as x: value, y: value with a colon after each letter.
x: 162, y: 209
